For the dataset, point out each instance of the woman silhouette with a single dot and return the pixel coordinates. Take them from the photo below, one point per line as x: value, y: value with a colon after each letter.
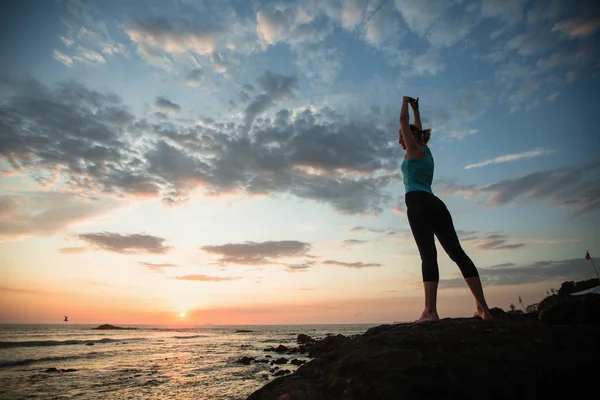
x: 429, y: 217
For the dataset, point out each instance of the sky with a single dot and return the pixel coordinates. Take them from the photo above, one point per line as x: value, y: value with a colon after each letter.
x: 237, y: 162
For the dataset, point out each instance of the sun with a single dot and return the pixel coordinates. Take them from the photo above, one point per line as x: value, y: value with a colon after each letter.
x: 182, y: 314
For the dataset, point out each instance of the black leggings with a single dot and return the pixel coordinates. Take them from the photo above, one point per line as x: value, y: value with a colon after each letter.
x: 428, y: 216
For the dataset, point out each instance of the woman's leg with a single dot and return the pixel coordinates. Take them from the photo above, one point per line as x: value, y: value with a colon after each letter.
x: 446, y: 234
x: 421, y: 225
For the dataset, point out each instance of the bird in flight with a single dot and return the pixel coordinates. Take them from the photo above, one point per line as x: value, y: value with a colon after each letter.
x: 66, y: 319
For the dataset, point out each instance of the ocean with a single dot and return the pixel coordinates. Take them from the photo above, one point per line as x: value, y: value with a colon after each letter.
x: 151, y: 362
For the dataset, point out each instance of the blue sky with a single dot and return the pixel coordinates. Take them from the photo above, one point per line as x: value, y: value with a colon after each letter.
x: 236, y: 155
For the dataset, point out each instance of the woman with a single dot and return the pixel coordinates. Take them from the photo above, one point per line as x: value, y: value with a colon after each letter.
x: 428, y: 216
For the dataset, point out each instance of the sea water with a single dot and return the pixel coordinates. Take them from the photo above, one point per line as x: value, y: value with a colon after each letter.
x: 150, y: 362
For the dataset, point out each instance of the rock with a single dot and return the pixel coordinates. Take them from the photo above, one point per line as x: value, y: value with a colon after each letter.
x: 52, y: 369
x: 324, y: 345
x: 245, y: 346
x: 302, y: 338
x: 279, y: 349
x: 575, y: 311
x: 282, y: 372
x: 265, y: 376
x: 109, y: 326
x: 497, y: 312
x: 242, y: 331
x: 264, y: 360
x: 89, y: 344
x: 68, y: 370
x: 268, y: 356
x: 280, y: 361
x: 295, y: 361
x: 245, y: 360
x: 504, y: 358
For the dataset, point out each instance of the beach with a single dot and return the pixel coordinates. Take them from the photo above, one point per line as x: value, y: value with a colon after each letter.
x: 150, y: 362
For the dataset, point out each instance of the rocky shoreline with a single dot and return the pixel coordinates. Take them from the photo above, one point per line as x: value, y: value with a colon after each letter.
x: 511, y: 356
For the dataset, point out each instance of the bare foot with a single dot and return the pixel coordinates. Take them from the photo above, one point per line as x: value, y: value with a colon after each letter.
x: 484, y: 314
x: 427, y: 317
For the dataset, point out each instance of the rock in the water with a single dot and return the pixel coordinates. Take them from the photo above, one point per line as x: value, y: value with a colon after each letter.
x: 302, y: 338
x: 68, y: 370
x: 109, y: 327
x: 282, y: 372
x: 89, y: 344
x: 245, y: 360
x: 279, y: 349
x: 51, y: 369
x: 295, y: 361
x: 504, y: 358
x: 280, y: 361
x: 242, y: 331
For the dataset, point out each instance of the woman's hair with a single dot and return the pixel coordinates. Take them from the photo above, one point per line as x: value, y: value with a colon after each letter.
x: 424, y: 134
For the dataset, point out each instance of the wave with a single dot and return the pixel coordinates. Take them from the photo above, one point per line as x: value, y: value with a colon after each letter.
x: 14, y: 363
x: 189, y: 337
x: 44, y: 343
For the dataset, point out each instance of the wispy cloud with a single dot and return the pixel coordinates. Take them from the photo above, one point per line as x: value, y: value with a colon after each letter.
x: 512, y: 157
x: 353, y: 265
x: 254, y: 253
x: 157, y: 267
x: 125, y: 244
x: 539, y: 271
x: 204, y: 278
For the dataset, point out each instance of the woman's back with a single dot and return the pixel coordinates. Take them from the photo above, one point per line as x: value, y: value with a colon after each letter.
x: 418, y: 172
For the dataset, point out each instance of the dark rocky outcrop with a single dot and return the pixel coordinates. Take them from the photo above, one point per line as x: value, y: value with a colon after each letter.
x: 575, y: 310
x: 109, y: 327
x: 505, y: 358
x: 242, y: 331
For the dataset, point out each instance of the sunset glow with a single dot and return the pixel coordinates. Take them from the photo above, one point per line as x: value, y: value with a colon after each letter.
x: 239, y: 160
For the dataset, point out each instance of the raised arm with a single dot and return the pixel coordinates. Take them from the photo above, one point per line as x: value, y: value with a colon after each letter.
x: 415, y: 107
x: 409, y: 138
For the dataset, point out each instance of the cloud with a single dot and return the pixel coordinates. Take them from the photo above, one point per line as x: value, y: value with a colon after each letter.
x: 204, y: 278
x: 195, y: 77
x: 575, y: 187
x: 299, y: 267
x: 91, y: 141
x: 253, y: 253
x: 428, y: 63
x: 384, y: 25
x: 273, y: 25
x: 577, y: 28
x: 362, y: 229
x: 276, y: 88
x: 157, y: 267
x: 46, y: 213
x: 511, y: 11
x: 351, y: 242
x: 63, y: 58
x: 125, y: 244
x: 512, y: 157
x: 166, y: 105
x: 494, y: 241
x: 352, y: 13
x: 460, y: 134
x: 354, y: 265
x: 176, y: 36
x: 539, y: 271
